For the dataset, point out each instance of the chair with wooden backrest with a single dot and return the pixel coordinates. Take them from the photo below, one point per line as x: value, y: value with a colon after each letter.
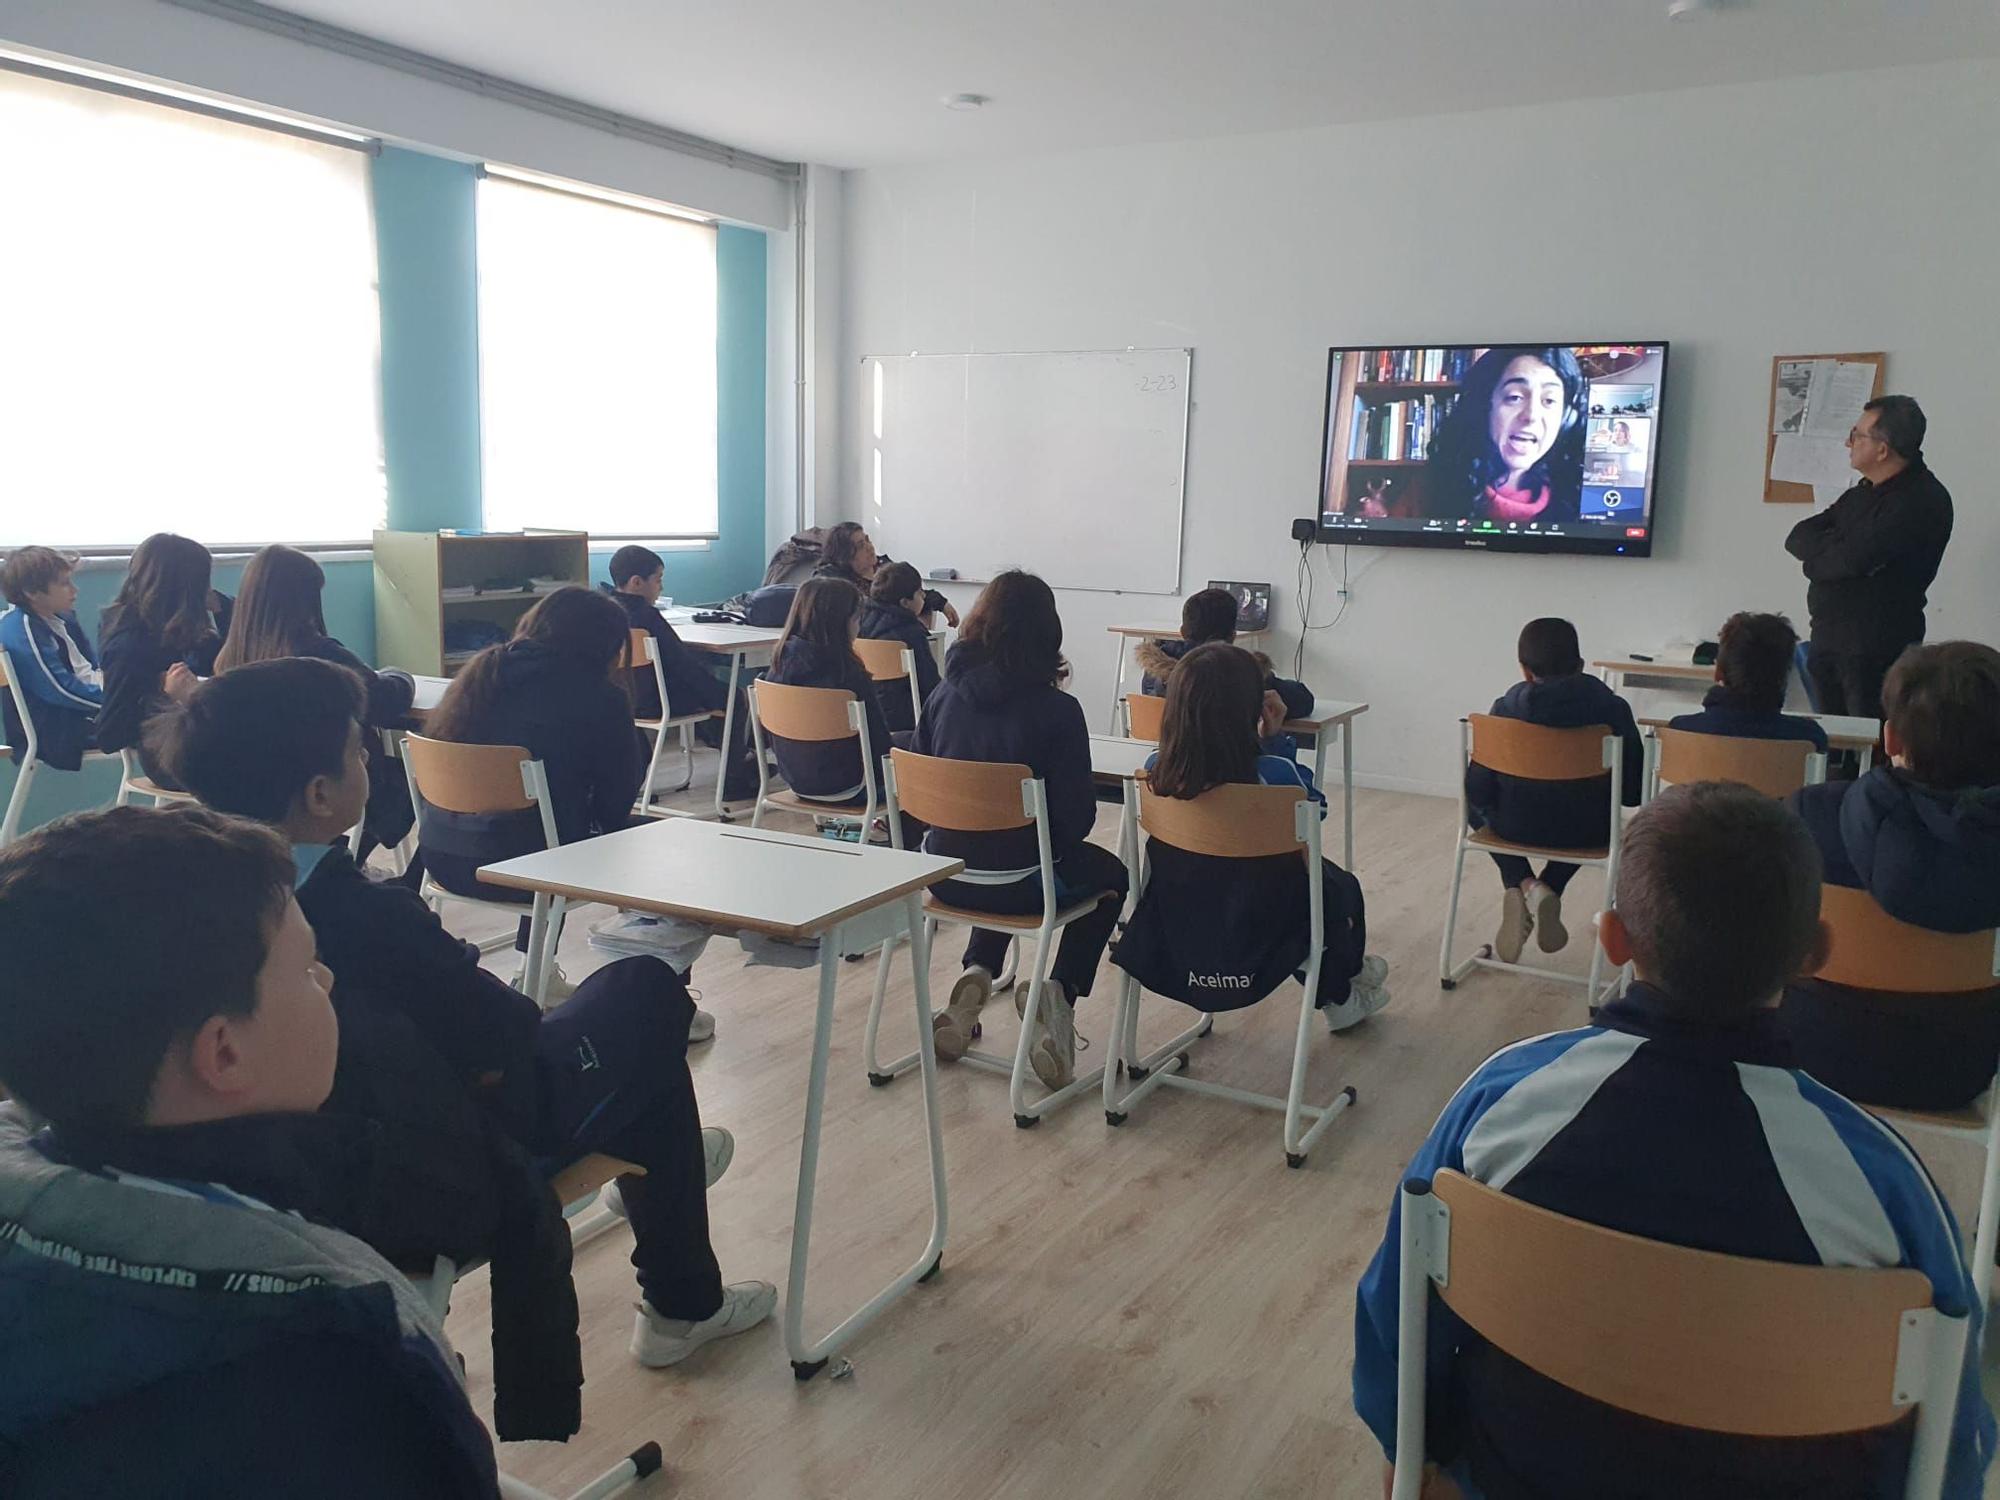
x: 892, y: 661
x: 1720, y: 1343
x: 1513, y: 747
x: 1230, y: 822
x: 642, y: 654
x: 1143, y: 715
x: 976, y: 796
x: 1874, y: 951
x: 1777, y: 768
x: 27, y: 755
x: 488, y: 780
x: 814, y: 715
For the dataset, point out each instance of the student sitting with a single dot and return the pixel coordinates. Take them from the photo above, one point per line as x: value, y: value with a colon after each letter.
x: 1676, y: 1118
x: 606, y: 1071
x: 894, y: 612
x: 49, y: 654
x: 1556, y: 693
x: 638, y: 574
x: 1252, y: 909
x: 1001, y: 700
x: 1753, y: 668
x: 278, y: 614
x: 817, y: 651
x: 163, y: 631
x: 1210, y: 615
x: 1922, y: 836
x: 195, y: 1332
x: 848, y: 553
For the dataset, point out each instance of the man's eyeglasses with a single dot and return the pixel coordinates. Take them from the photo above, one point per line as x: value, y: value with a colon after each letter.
x: 1856, y: 435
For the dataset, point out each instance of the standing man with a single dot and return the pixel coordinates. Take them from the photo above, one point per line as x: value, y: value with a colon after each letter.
x: 1871, y: 557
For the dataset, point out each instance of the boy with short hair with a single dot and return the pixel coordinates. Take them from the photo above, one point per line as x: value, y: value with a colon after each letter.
x: 606, y: 1071
x: 1753, y: 669
x: 638, y: 576
x: 1556, y: 693
x: 1922, y: 836
x: 1210, y: 615
x: 163, y: 1000
x: 1675, y: 1117
x: 50, y: 653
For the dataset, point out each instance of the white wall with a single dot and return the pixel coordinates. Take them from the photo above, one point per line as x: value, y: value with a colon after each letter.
x: 1852, y: 212
x: 163, y: 42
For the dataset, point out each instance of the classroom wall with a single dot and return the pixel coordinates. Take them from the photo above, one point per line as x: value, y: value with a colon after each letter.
x: 1848, y: 212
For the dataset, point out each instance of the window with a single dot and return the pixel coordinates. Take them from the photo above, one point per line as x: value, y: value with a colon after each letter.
x: 192, y: 333
x: 596, y: 365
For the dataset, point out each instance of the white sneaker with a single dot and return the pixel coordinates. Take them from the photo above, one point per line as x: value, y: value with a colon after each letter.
x: 1367, y: 994
x: 1545, y: 910
x: 1515, y: 925
x: 718, y: 1150
x: 952, y: 1027
x: 1053, y: 1056
x: 702, y: 1027
x: 658, y: 1342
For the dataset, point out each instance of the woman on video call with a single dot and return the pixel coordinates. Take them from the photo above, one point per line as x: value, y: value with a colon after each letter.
x: 1511, y: 448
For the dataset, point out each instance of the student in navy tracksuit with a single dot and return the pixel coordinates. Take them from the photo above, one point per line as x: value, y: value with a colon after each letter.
x: 1202, y: 915
x: 163, y: 631
x: 605, y: 1071
x: 1753, y: 667
x: 1676, y: 1117
x: 278, y: 614
x: 50, y: 655
x: 638, y: 575
x: 1556, y: 693
x: 1210, y: 615
x: 1922, y: 836
x: 1001, y: 700
x: 817, y: 651
x: 894, y: 612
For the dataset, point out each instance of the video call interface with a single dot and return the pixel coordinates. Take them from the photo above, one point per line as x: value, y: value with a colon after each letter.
x: 1475, y: 442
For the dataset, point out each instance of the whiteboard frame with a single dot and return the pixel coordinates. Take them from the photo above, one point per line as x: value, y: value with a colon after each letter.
x: 1187, y: 421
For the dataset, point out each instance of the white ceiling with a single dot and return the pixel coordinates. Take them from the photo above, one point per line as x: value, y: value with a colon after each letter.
x: 858, y: 82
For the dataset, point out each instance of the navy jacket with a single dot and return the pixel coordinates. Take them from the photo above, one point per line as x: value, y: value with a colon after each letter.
x: 1721, y: 714
x: 63, y: 706
x: 691, y: 687
x: 135, y: 662
x: 1156, y: 660
x: 981, y: 713
x: 1870, y: 558
x: 891, y: 622
x: 1559, y: 814
x: 389, y: 692
x: 1692, y: 1135
x: 828, y: 768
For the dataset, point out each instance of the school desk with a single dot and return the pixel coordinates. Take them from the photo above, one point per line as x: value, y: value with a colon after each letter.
x: 1843, y: 732
x: 1123, y: 635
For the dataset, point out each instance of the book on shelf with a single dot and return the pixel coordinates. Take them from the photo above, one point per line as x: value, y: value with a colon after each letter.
x: 1415, y: 366
x: 1399, y: 430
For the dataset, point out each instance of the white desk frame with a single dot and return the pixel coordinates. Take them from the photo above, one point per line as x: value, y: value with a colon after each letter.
x: 1334, y: 716
x: 697, y: 871
x: 736, y: 642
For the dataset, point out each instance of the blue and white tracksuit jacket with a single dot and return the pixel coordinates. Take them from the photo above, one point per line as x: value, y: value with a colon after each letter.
x: 1694, y: 1135
x: 62, y: 700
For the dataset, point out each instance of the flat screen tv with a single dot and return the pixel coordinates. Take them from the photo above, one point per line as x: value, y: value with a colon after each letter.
x: 1494, y: 447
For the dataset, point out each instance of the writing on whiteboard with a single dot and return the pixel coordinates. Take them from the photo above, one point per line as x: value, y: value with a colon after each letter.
x: 1159, y: 383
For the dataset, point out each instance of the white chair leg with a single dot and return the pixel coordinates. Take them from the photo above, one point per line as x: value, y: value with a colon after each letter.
x: 1986, y: 1239
x: 1446, y: 978
x: 652, y: 769
x: 17, y: 804
x: 1114, y: 1065
x: 687, y: 758
x: 1031, y: 1016
x: 1295, y: 1095
x: 878, y: 1075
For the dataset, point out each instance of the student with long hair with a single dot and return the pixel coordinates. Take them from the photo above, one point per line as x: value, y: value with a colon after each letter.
x: 1511, y: 447
x: 817, y: 651
x: 163, y: 631
x: 1002, y: 700
x: 894, y: 612
x: 1201, y: 915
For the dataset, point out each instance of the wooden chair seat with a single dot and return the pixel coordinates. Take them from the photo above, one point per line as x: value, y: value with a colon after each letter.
x: 1144, y: 714
x: 1486, y: 838
x: 944, y: 911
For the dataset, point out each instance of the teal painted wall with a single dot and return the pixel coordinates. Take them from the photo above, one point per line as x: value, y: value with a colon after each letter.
x: 425, y: 241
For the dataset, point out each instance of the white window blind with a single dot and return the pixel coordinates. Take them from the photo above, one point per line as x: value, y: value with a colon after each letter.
x: 192, y: 331
x: 597, y: 327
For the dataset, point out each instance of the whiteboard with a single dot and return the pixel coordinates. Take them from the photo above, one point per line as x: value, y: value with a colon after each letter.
x: 1072, y: 465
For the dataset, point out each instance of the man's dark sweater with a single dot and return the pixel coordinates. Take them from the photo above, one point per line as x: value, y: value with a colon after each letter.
x: 1870, y: 559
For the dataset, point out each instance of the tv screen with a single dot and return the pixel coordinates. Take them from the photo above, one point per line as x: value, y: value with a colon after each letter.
x: 1498, y: 447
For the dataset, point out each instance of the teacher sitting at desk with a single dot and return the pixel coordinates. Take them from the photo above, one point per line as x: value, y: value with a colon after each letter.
x: 1870, y: 558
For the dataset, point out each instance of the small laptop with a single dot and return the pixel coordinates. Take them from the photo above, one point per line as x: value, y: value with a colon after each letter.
x: 1253, y: 602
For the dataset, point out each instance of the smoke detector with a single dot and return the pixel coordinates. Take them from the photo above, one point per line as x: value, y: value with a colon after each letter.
x: 1683, y: 10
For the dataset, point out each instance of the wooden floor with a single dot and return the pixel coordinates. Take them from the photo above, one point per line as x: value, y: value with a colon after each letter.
x: 1162, y: 1309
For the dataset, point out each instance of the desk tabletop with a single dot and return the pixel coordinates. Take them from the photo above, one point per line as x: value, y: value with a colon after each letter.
x: 1632, y: 667
x: 783, y: 884
x: 1114, y: 758
x: 1843, y: 731
x: 726, y: 639
x: 1326, y: 711
x: 1173, y: 632
x: 430, y: 692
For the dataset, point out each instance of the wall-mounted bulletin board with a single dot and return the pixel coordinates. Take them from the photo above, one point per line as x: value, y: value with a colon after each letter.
x: 1815, y: 399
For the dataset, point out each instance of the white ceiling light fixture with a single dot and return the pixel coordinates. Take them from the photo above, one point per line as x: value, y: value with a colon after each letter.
x: 1687, y: 10
x: 966, y: 103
